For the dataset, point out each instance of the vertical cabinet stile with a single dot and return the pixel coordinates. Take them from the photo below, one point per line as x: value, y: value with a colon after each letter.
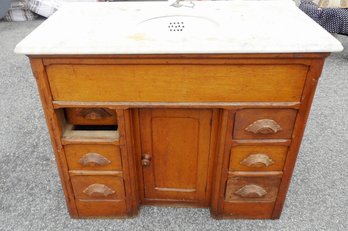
x: 128, y: 157
x: 55, y: 130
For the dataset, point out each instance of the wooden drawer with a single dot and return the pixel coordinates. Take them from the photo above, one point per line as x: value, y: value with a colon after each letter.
x: 90, y: 116
x: 258, y: 158
x: 98, y: 187
x: 93, y: 157
x: 177, y: 83
x: 264, y: 123
x: 99, y: 196
x: 252, y: 188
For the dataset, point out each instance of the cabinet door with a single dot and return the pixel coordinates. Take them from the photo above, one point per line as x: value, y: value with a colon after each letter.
x: 175, y: 153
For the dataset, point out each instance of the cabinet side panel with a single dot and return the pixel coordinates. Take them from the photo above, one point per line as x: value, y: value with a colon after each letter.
x: 55, y: 132
x: 300, y: 124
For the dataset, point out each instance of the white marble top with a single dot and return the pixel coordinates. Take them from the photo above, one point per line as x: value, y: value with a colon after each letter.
x: 237, y: 26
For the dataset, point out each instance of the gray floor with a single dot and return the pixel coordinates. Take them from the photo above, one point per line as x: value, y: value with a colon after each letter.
x: 30, y: 192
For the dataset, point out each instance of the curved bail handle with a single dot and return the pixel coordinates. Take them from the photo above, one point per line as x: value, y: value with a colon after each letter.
x: 257, y: 160
x: 94, y: 159
x: 251, y: 191
x: 98, y: 190
x: 264, y: 126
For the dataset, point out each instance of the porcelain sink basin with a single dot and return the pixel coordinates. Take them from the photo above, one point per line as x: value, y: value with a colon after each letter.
x: 177, y: 25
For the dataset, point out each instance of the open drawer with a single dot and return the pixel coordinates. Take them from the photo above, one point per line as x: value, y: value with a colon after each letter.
x: 91, y: 116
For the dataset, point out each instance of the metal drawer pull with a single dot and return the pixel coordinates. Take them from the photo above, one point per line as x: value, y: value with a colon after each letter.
x: 264, y: 126
x: 98, y: 190
x: 258, y: 160
x: 94, y: 113
x: 94, y: 159
x: 251, y: 191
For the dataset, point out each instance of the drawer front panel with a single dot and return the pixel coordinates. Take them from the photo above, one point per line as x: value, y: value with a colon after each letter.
x: 91, y: 116
x: 258, y: 158
x: 252, y: 189
x: 177, y: 83
x: 93, y: 157
x: 248, y: 210
x: 100, y: 209
x: 264, y: 123
x: 92, y: 188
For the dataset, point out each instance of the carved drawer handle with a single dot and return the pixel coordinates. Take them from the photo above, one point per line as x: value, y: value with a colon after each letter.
x: 264, y: 126
x: 93, y: 159
x: 251, y: 191
x: 94, y: 113
x: 98, y: 190
x: 258, y: 160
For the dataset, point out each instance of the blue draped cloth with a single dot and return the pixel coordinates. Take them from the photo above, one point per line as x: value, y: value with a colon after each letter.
x: 334, y: 20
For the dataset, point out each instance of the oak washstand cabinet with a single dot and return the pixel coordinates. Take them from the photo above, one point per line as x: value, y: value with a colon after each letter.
x: 195, y: 117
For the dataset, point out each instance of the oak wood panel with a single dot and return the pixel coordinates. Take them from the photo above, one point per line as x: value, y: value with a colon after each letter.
x: 259, y: 142
x: 246, y: 118
x: 300, y: 124
x: 213, y: 146
x: 177, y: 141
x: 276, y: 58
x: 248, y: 210
x: 95, y: 173
x: 112, y: 205
x: 138, y: 153
x: 100, y: 209
x: 174, y: 203
x: 256, y: 174
x: 128, y: 165
x: 235, y: 184
x: 75, y: 154
x: 217, y: 105
x: 81, y: 183
x: 243, y: 158
x: 72, y: 135
x: 223, y: 148
x: 130, y: 155
x: 159, y: 202
x: 55, y: 130
x: 91, y: 116
x: 177, y: 83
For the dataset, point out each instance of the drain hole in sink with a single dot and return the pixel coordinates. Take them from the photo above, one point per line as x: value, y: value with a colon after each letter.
x: 176, y: 26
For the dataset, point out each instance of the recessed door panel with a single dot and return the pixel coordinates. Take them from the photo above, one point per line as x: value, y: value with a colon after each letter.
x: 175, y: 153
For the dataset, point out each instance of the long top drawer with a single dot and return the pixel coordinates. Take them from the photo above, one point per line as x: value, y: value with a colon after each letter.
x: 177, y: 83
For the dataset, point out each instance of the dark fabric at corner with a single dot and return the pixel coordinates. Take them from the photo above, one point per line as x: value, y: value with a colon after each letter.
x: 334, y: 20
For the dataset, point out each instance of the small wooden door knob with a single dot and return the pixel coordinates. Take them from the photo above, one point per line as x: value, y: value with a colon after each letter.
x: 146, y: 160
